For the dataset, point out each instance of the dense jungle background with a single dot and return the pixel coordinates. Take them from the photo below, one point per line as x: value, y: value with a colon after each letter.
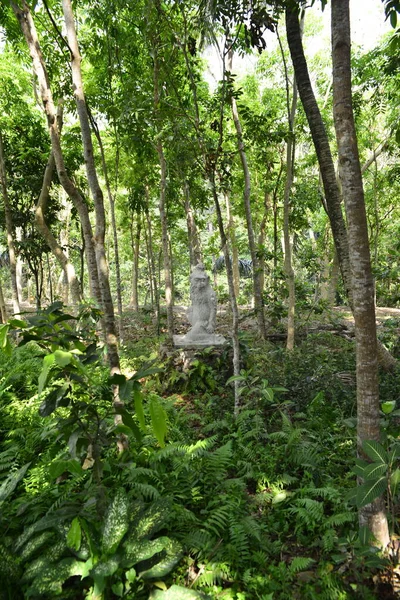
x: 138, y: 139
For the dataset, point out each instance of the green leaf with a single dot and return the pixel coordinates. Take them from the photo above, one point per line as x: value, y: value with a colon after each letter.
x: 173, y: 555
x: 125, y: 390
x: 11, y: 482
x: 129, y: 422
x: 53, y: 400
x: 365, y: 535
x: 118, y: 589
x: 48, y: 362
x: 61, y: 466
x: 116, y: 522
x: 388, y: 407
x: 375, y: 451
x: 393, y: 19
x: 138, y: 399
x: 394, y: 481
x: 62, y: 358
x: 105, y: 568
x: 3, y: 334
x: 158, y: 421
x: 370, y: 490
x: 374, y: 470
x: 359, y: 467
x: 74, y: 535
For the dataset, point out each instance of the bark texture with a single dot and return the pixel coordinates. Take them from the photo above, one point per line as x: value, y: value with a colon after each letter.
x: 331, y: 186
x: 193, y: 234
x: 162, y: 207
x: 44, y: 230
x: 368, y: 427
x: 28, y: 28
x: 97, y: 194
x: 258, y: 300
x: 9, y: 230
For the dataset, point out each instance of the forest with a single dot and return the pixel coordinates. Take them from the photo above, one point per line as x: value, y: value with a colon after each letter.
x: 144, y: 141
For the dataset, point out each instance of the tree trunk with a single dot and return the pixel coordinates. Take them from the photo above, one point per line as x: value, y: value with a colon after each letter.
x: 193, y: 234
x: 9, y: 230
x: 162, y: 207
x: 44, y: 230
x: 233, y: 245
x: 97, y: 194
x: 3, y: 309
x: 368, y: 426
x: 321, y: 143
x: 135, y: 267
x: 258, y: 300
x: 326, y: 165
x: 232, y: 296
x: 29, y: 30
x: 153, y: 271
x: 261, y: 238
x: 290, y: 155
x: 113, y: 219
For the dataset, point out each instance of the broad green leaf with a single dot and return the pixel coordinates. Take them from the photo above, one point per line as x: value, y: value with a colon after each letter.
x: 178, y: 592
x: 375, y: 451
x: 56, y: 398
x: 48, y: 362
x: 139, y: 550
x: 370, y: 490
x: 365, y: 535
x: 236, y: 378
x: 116, y: 522
x: 374, y: 470
x: 62, y: 358
x: 61, y: 466
x: 125, y: 390
x: 388, y: 407
x: 105, y: 568
x: 279, y: 497
x: 158, y: 421
x: 118, y: 589
x: 129, y: 422
x: 3, y: 334
x: 11, y: 482
x: 268, y: 393
x: 394, y: 481
x: 138, y: 399
x: 17, y: 323
x: 173, y: 555
x: 359, y: 467
x: 74, y: 535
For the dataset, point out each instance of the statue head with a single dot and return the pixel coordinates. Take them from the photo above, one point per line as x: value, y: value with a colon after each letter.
x: 199, y: 280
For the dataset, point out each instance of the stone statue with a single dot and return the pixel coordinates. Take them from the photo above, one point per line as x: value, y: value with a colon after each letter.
x: 201, y: 313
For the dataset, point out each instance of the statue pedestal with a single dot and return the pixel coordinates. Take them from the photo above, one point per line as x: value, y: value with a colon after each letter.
x: 199, y: 343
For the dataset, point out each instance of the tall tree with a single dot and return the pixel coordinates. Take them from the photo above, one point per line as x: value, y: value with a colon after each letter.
x: 9, y: 229
x: 368, y: 425
x: 97, y: 194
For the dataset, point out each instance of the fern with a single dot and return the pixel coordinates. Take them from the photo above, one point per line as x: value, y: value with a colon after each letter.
x: 300, y: 563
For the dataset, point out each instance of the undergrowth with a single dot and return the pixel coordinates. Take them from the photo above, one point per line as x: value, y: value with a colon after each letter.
x: 199, y: 504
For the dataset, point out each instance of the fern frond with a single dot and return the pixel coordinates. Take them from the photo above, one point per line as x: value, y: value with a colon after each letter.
x: 300, y: 563
x: 144, y: 489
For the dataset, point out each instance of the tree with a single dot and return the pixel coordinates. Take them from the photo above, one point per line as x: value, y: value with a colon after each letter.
x: 368, y: 426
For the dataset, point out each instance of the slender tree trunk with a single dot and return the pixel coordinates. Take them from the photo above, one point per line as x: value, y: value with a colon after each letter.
x: 162, y: 206
x: 327, y: 168
x: 152, y: 261
x: 232, y: 296
x: 135, y: 266
x: 113, y: 219
x: 233, y: 245
x: 9, y: 230
x: 261, y: 238
x: 290, y: 155
x: 193, y: 234
x: 3, y: 309
x: 44, y: 230
x: 97, y: 194
x: 29, y: 30
x: 368, y: 426
x: 258, y: 300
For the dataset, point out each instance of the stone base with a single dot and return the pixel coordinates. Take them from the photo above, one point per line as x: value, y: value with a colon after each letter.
x: 214, y: 339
